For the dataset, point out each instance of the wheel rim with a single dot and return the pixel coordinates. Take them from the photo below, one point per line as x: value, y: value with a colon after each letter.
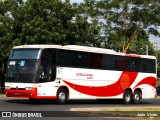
x: 136, y: 97
x: 128, y: 98
x: 62, y: 96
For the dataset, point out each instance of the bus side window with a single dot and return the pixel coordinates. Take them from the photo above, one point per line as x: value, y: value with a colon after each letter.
x: 151, y: 66
x: 53, y: 74
x: 110, y: 62
x: 44, y: 72
x: 47, y: 74
x: 48, y: 56
x: 64, y: 57
x: 95, y: 60
x: 80, y: 59
x: 134, y: 64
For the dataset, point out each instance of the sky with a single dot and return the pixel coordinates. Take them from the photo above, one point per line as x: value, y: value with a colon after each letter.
x: 156, y: 41
x: 77, y: 1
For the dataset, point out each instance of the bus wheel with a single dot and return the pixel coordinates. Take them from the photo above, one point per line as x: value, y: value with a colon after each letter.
x: 127, y: 97
x: 33, y: 100
x: 62, y: 96
x: 136, y: 97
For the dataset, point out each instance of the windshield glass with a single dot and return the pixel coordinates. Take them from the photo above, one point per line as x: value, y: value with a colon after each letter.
x: 22, y: 71
x: 24, y: 54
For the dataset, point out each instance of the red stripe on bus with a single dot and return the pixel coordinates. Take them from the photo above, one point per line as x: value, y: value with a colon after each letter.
x: 149, y: 81
x: 133, y: 55
x: 46, y: 97
x: 125, y: 81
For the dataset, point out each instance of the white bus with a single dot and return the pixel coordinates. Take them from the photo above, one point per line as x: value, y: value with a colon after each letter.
x: 78, y: 72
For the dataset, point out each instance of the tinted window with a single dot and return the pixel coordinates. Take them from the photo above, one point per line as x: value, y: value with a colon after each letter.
x: 151, y: 66
x: 123, y: 63
x: 49, y: 56
x: 24, y: 54
x: 110, y: 62
x: 47, y: 73
x: 64, y: 57
x: 81, y: 59
x: 135, y: 64
x: 95, y: 60
x: 22, y: 71
x: 142, y: 65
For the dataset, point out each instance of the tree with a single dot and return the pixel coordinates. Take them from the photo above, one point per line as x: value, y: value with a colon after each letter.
x: 56, y: 22
x: 137, y: 47
x: 44, y: 22
x: 158, y: 63
x: 9, y: 25
x: 126, y: 19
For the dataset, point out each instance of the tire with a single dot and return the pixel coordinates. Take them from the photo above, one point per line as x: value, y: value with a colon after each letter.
x: 127, y: 97
x: 33, y: 100
x: 136, y: 97
x: 62, y: 96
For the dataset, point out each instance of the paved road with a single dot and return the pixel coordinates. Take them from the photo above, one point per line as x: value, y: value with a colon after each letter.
x: 21, y: 105
x: 8, y: 104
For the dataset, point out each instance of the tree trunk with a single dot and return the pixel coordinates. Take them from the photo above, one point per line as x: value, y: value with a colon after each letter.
x: 132, y: 39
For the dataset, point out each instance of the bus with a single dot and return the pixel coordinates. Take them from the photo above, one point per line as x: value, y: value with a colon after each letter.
x: 72, y: 72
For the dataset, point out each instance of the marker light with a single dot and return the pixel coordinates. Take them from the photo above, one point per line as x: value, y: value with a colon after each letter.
x: 28, y: 88
x: 7, y: 87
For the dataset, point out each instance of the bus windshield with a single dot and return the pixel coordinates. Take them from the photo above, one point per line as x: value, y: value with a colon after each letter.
x: 22, y: 71
x: 22, y: 65
x: 24, y: 54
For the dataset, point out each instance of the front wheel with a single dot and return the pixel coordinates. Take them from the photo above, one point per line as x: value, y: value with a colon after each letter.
x: 127, y: 97
x: 136, y: 97
x: 62, y: 96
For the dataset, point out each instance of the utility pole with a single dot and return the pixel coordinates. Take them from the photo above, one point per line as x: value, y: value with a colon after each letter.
x: 146, y: 49
x: 155, y: 46
x: 155, y: 43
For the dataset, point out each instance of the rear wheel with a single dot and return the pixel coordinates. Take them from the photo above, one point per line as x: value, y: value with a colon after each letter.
x: 62, y: 96
x: 127, y: 97
x: 136, y: 97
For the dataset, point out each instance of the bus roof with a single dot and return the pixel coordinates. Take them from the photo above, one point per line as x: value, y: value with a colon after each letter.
x: 86, y: 49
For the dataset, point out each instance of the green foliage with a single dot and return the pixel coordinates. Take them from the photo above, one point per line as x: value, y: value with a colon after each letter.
x: 6, y: 24
x: 137, y: 47
x: 122, y: 25
x: 44, y: 22
x: 158, y: 62
x: 124, y: 20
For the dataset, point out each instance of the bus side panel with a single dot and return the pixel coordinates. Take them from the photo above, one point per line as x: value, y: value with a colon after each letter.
x: 90, y: 84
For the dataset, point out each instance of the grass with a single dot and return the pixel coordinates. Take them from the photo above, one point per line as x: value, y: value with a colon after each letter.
x: 134, y: 113
x: 144, y: 108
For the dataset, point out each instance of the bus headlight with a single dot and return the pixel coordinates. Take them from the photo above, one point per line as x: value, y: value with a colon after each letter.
x: 28, y: 88
x: 7, y: 87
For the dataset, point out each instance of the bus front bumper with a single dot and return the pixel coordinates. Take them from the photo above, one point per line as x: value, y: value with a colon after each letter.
x: 21, y: 93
